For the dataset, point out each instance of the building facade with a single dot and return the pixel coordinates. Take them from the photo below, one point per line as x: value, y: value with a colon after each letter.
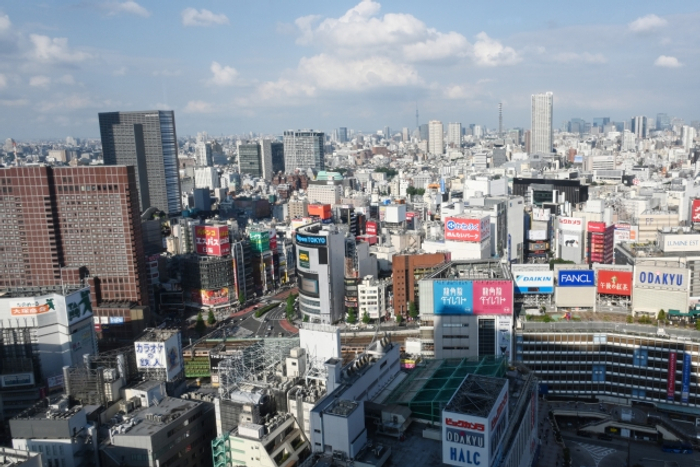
x: 542, y: 134
x: 406, y: 270
x: 146, y: 140
x: 303, y: 149
x: 435, y: 137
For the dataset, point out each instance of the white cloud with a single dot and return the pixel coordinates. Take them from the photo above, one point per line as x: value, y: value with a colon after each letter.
x: 72, y: 102
x: 666, y: 61
x: 647, y: 24
x: 54, y: 50
x: 459, y: 92
x: 5, y: 23
x: 586, y: 57
x: 129, y: 7
x: 192, y: 17
x: 223, y: 75
x: 40, y: 81
x: 3, y: 81
x: 67, y: 79
x: 439, y: 46
x: 199, y: 107
x: 490, y: 52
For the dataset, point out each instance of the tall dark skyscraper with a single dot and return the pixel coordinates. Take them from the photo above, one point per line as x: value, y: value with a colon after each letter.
x: 343, y: 134
x: 70, y: 226
x: 147, y: 141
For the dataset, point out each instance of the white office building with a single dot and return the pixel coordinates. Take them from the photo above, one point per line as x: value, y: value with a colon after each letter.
x: 454, y: 135
x: 435, y: 137
x: 542, y: 134
x: 202, y: 154
x: 371, y: 297
x: 206, y: 177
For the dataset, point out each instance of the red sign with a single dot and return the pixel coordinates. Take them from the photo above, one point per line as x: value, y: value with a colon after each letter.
x: 501, y: 406
x: 695, y: 213
x: 465, y: 424
x: 467, y: 229
x: 493, y: 297
x: 596, y: 226
x: 671, y: 387
x: 371, y: 228
x: 212, y: 240
x: 210, y: 297
x: 615, y: 282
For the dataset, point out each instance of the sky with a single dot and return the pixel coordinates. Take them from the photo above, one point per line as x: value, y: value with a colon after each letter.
x: 234, y: 67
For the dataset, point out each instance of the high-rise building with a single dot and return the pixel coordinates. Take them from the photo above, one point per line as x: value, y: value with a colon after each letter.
x: 276, y: 156
x: 250, y: 159
x: 203, y: 154
x: 640, y: 127
x: 342, y: 134
x: 454, y: 135
x: 303, y: 149
x: 423, y: 133
x: 404, y: 135
x: 147, y: 141
x: 68, y: 226
x: 601, y: 121
x: 206, y: 177
x: 542, y: 133
x: 663, y: 121
x: 387, y: 132
x: 435, y: 137
x: 688, y: 137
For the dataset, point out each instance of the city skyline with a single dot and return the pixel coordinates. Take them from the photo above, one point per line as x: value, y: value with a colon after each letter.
x: 272, y: 67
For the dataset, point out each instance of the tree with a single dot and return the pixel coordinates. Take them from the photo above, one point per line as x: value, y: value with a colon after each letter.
x: 199, y: 326
x: 290, y: 305
x: 241, y: 298
x: 352, y: 317
x: 412, y: 310
x: 210, y: 318
x: 662, y: 315
x: 399, y: 319
x: 629, y: 319
x: 365, y: 318
x: 306, y: 318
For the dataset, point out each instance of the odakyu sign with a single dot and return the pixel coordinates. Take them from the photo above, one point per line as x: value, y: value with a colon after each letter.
x: 650, y: 277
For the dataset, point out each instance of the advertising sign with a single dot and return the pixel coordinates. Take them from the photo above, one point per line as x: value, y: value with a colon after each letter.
x: 504, y: 328
x: 116, y: 320
x: 651, y: 277
x: 464, y: 440
x: 54, y: 382
x: 534, y: 283
x: 596, y: 226
x: 150, y: 354
x: 67, y: 310
x: 211, y: 297
x: 540, y: 214
x: 19, y: 379
x: 570, y: 241
x: 453, y: 297
x: 695, y: 212
x: 467, y: 229
x: 624, y: 233
x: 685, y: 386
x: 304, y: 259
x: 371, y: 228
x: 173, y: 356
x: 685, y: 242
x: 309, y: 285
x: 671, y: 382
x: 310, y: 240
x: 576, y: 278
x: 212, y: 240
x: 493, y: 297
x: 572, y: 224
x: 615, y: 282
x: 537, y: 235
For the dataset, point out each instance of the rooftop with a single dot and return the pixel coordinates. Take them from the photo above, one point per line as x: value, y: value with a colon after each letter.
x: 152, y: 419
x: 470, y: 270
x: 341, y: 408
x: 476, y: 395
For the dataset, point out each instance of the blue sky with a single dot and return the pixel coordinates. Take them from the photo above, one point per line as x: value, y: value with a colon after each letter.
x: 232, y: 67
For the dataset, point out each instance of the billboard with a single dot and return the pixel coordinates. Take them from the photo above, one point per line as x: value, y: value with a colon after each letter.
x: 212, y: 240
x: 625, y: 233
x: 685, y: 242
x: 651, y: 277
x: 540, y: 214
x: 573, y: 224
x: 464, y: 440
x: 371, y: 228
x: 596, y: 226
x: 671, y: 381
x: 570, y: 241
x: 504, y: 329
x: 310, y: 240
x: 493, y: 297
x: 211, y: 297
x: 583, y: 278
x: 537, y: 235
x: 467, y: 229
x: 304, y: 258
x: 65, y: 309
x: 453, y: 297
x: 150, y: 354
x: 534, y: 283
x: 685, y: 384
x: 695, y: 211
x: 615, y: 282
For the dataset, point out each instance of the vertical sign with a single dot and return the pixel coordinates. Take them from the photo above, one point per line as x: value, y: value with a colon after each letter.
x: 671, y: 383
x: 685, y: 387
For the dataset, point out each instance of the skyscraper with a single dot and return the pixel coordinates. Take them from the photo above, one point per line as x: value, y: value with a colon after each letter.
x: 342, y: 134
x: 147, y: 141
x: 202, y: 154
x: 454, y: 135
x: 68, y: 226
x: 435, y: 137
x: 663, y: 121
x: 303, y: 149
x: 640, y: 126
x: 542, y: 133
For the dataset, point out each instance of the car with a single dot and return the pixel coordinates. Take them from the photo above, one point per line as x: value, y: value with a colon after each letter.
x: 605, y: 437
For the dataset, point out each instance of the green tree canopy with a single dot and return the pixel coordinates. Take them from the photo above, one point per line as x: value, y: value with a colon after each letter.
x: 352, y: 317
x: 199, y: 325
x: 412, y: 310
x: 211, y: 319
x: 365, y: 318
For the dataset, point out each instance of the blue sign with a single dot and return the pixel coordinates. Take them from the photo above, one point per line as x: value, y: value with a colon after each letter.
x: 309, y: 240
x: 576, y: 278
x: 453, y: 297
x: 685, y: 387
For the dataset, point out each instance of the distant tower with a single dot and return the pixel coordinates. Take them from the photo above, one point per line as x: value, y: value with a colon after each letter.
x: 542, y: 134
x: 417, y: 125
x: 500, y: 118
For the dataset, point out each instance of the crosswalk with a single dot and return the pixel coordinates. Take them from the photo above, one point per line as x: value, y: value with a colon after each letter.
x: 597, y: 452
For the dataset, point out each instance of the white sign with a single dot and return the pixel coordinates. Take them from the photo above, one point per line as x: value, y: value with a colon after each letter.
x: 685, y: 242
x: 574, y: 224
x: 540, y: 214
x: 150, y: 354
x: 653, y: 277
x: 505, y: 325
x: 570, y: 241
x: 537, y: 235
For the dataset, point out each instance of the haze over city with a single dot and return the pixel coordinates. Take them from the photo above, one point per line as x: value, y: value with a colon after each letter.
x: 229, y: 67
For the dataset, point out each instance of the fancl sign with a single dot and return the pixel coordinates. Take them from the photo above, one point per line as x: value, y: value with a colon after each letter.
x: 576, y: 278
x: 661, y: 278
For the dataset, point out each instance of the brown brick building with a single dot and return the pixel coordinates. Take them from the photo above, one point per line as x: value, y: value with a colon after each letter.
x: 72, y: 225
x: 406, y: 271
